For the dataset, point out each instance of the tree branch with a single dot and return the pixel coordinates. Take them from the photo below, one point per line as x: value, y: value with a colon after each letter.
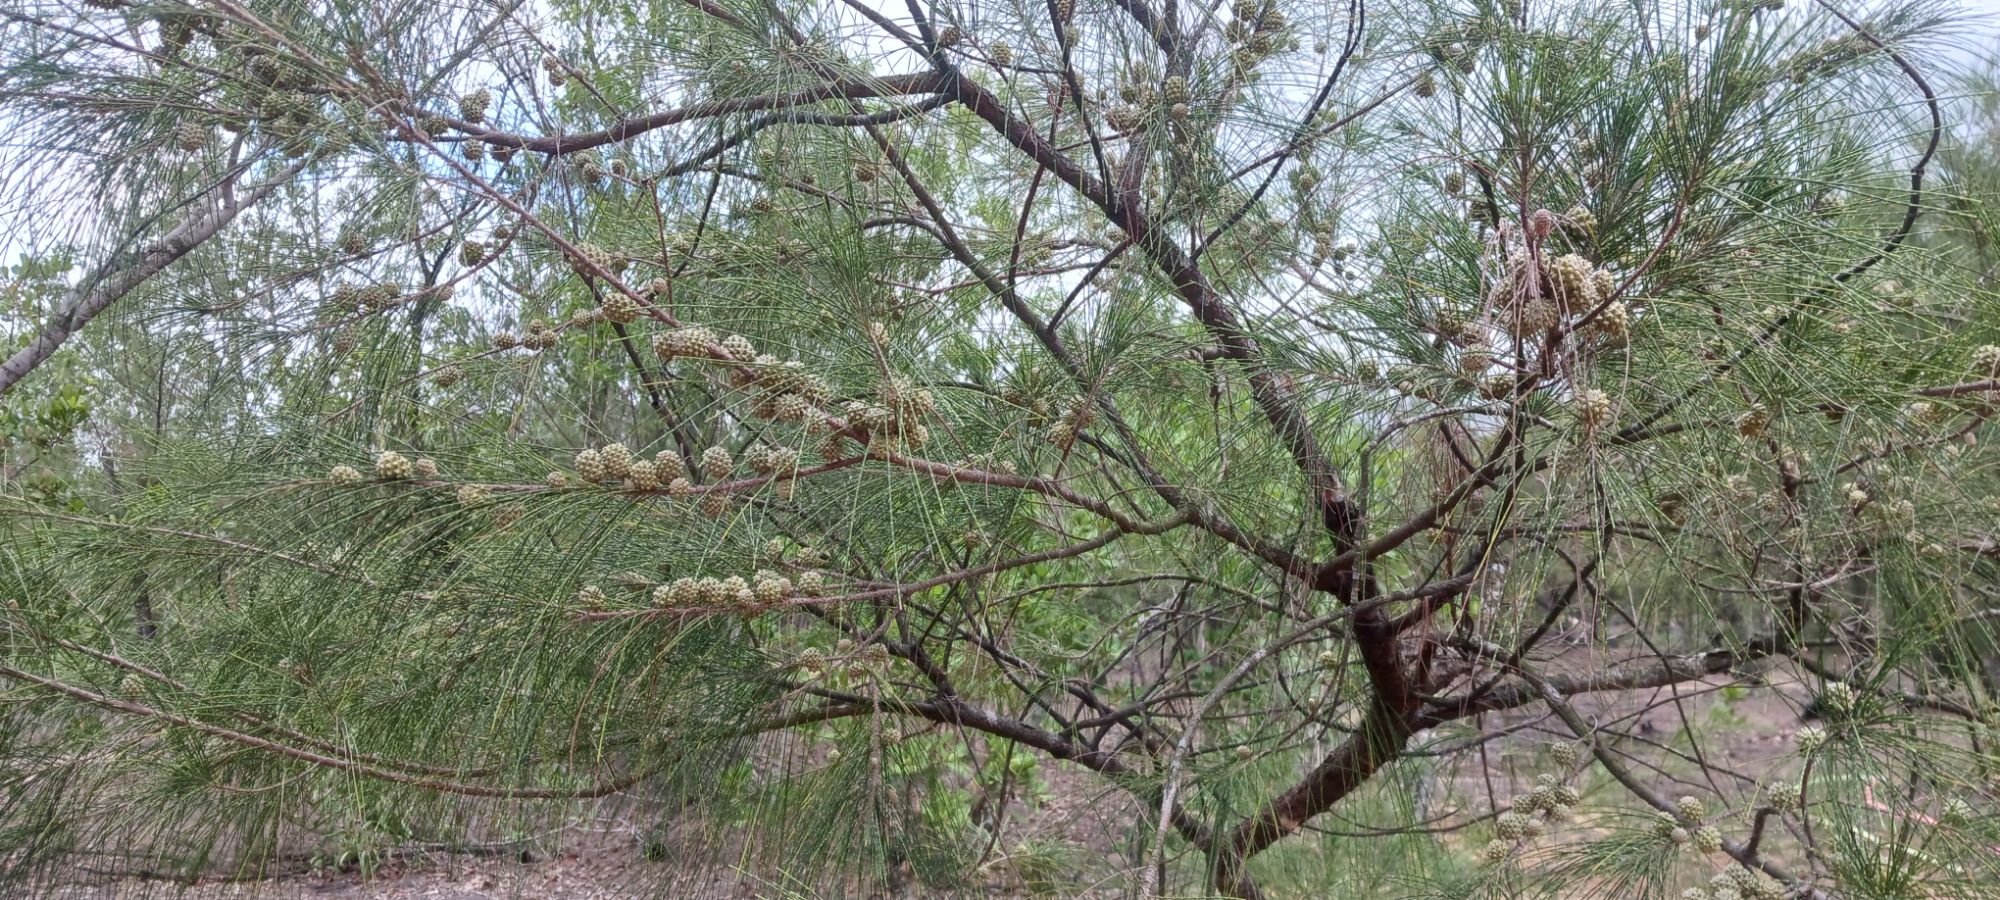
x: 120, y: 275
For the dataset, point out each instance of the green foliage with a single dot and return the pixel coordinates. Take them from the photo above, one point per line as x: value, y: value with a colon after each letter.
x: 1074, y: 448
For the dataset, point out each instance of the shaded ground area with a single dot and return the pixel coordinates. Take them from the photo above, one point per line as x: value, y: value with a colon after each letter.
x: 1079, y: 811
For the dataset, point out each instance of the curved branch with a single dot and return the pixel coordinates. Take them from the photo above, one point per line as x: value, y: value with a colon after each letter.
x: 601, y: 789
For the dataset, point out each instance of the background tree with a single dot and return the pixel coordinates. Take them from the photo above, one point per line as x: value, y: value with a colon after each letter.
x: 1344, y: 432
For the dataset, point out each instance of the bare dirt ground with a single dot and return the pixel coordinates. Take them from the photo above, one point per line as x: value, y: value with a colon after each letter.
x: 1080, y: 810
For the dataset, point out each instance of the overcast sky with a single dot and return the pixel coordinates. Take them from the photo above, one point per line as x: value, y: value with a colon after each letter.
x: 1982, y: 40
x: 1991, y: 27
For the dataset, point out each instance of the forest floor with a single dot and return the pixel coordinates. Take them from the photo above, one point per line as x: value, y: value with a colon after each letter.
x: 604, y: 859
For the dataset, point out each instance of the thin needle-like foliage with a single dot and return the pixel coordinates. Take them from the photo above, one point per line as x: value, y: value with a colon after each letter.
x: 1079, y: 448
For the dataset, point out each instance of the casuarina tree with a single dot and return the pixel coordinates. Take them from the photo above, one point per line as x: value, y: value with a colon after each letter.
x: 1087, y: 447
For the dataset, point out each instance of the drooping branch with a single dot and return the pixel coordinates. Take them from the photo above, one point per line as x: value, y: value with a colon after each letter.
x: 317, y: 758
